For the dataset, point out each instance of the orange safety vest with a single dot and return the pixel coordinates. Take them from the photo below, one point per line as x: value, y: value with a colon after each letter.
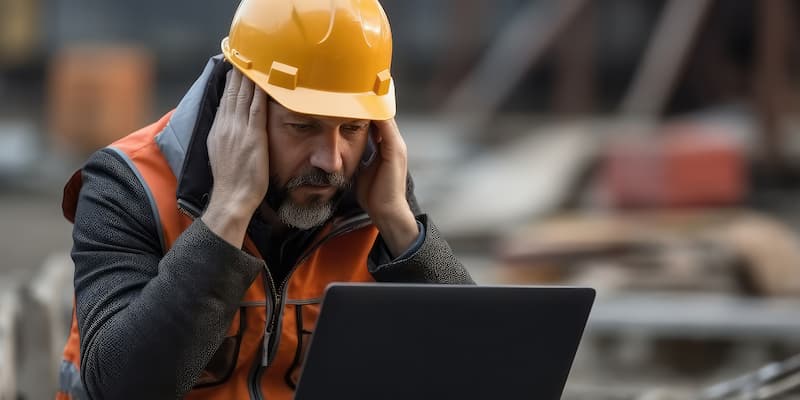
x: 339, y: 255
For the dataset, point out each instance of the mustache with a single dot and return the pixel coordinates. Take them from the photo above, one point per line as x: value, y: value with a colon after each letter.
x: 319, y: 177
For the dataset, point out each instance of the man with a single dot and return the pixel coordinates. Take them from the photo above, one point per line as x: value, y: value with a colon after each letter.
x: 203, y: 243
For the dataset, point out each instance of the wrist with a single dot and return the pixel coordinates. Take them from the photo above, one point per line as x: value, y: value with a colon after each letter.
x: 229, y: 220
x: 398, y: 230
x: 229, y: 211
x: 234, y: 204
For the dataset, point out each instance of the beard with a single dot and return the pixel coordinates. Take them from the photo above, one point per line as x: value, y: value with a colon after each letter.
x: 317, y: 209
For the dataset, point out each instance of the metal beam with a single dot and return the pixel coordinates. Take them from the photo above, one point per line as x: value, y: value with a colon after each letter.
x: 521, y: 45
x: 770, y: 79
x: 665, y: 57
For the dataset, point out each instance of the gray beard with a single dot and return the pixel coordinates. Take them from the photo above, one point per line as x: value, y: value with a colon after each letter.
x: 305, y: 217
x: 317, y: 211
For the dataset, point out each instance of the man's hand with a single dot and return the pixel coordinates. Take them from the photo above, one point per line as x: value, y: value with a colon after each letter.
x: 381, y: 189
x: 239, y: 156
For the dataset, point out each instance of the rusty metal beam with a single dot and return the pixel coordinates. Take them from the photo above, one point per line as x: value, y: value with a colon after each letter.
x: 575, y: 57
x: 770, y: 79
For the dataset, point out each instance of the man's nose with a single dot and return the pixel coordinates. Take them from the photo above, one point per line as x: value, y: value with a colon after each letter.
x: 327, y: 152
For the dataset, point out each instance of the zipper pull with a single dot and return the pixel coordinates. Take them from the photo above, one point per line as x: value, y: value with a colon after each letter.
x: 265, y: 350
x: 188, y: 210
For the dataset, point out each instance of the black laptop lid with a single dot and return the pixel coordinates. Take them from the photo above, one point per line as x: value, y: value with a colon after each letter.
x: 377, y: 341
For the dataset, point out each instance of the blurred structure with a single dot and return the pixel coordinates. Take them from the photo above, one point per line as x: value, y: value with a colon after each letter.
x: 646, y: 148
x: 665, y: 218
x: 9, y: 309
x: 19, y: 31
x: 681, y: 166
x: 98, y: 94
x: 774, y: 381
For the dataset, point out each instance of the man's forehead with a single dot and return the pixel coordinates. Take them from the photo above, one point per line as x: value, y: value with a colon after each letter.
x: 283, y: 111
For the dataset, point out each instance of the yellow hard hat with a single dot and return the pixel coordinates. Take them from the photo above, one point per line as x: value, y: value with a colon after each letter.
x: 321, y: 57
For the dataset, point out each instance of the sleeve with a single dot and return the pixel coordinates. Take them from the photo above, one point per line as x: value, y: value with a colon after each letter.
x: 432, y: 261
x: 148, y: 322
x: 415, y: 245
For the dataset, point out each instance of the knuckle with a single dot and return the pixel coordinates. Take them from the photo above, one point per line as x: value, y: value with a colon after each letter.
x: 231, y: 89
x: 231, y: 93
x: 256, y: 110
x: 242, y: 98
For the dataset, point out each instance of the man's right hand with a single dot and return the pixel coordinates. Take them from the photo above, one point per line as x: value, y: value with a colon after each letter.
x: 239, y: 156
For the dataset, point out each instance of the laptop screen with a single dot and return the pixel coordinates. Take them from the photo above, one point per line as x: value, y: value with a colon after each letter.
x: 378, y: 341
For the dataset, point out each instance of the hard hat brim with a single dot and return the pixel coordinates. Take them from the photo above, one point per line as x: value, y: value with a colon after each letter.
x: 302, y: 100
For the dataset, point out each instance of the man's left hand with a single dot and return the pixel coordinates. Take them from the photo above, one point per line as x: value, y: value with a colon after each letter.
x: 381, y: 189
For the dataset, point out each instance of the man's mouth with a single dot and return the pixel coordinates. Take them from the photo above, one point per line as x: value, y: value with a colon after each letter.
x: 320, y: 189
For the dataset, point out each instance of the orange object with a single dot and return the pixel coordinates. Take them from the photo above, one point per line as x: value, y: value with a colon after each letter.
x: 317, y: 56
x: 685, y: 165
x: 98, y: 94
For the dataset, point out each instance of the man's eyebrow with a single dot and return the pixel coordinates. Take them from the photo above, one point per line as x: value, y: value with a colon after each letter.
x: 292, y: 114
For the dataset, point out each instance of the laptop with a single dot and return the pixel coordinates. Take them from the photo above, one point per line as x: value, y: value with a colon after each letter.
x: 405, y: 341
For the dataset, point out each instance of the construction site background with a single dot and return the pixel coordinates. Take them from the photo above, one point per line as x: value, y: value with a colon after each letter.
x: 649, y: 149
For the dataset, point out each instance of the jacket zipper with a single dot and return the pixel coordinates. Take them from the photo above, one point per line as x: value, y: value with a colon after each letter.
x: 254, y: 387
x: 273, y: 300
x: 277, y: 316
x: 267, y: 331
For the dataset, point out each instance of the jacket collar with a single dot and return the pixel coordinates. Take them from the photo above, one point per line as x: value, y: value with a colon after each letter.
x: 183, y: 140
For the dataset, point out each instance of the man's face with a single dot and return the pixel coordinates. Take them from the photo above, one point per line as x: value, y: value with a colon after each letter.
x: 312, y: 161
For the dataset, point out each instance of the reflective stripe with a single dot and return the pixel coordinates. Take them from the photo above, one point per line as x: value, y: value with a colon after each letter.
x: 176, y: 136
x: 305, y: 302
x: 252, y: 304
x: 69, y: 381
x: 153, y: 204
x: 171, y: 147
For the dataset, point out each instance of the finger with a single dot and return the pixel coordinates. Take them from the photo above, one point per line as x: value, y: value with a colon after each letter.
x: 366, y: 176
x: 388, y: 136
x: 244, y: 99
x: 223, y: 104
x: 232, y: 89
x: 258, y: 109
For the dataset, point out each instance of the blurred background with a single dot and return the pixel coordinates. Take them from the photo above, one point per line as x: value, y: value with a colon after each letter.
x: 649, y: 149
